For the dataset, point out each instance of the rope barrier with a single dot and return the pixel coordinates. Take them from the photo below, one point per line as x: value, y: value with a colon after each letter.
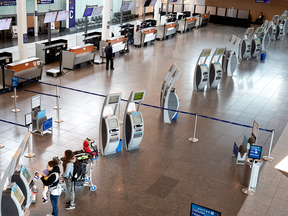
x: 267, y: 139
x: 12, y: 123
x: 37, y: 92
x: 6, y: 90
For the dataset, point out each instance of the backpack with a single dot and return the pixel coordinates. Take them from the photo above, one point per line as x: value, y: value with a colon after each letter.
x: 79, y: 170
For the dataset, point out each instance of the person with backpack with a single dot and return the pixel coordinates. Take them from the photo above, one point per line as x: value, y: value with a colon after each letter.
x: 68, y: 169
x: 53, y: 184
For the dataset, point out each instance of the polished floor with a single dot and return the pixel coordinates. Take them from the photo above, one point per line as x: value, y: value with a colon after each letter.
x: 169, y: 172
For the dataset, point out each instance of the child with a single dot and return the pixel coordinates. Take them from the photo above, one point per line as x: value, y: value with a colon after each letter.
x: 45, y: 188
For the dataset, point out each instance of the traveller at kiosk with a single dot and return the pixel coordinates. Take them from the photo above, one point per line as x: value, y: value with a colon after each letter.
x: 256, y: 42
x: 133, y: 128
x: 201, y: 73
x: 245, y: 47
x: 109, y: 127
x: 215, y: 68
x: 169, y: 98
x: 13, y: 201
x: 24, y: 181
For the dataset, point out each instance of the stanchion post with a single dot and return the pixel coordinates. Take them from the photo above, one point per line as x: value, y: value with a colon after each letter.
x: 194, y: 139
x: 269, y: 158
x: 249, y: 190
x: 58, y: 120
x: 29, y: 154
x: 13, y: 96
x: 15, y: 110
x: 57, y: 105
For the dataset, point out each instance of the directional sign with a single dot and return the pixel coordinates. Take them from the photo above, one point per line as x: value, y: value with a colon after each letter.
x: 71, y: 13
x: 45, y: 1
x: 7, y: 2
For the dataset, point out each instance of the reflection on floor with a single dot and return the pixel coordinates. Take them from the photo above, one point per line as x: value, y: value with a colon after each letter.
x: 169, y: 172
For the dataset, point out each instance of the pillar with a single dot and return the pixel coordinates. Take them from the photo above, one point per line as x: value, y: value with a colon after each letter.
x: 106, y: 19
x: 191, y: 6
x: 157, y: 8
x: 35, y: 18
x: 22, y: 29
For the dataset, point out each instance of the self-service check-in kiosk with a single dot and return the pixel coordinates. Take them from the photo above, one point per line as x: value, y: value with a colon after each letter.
x: 227, y: 53
x: 13, y: 201
x: 133, y: 128
x: 24, y: 181
x: 109, y: 124
x: 272, y: 30
x: 201, y: 73
x: 279, y: 27
x: 264, y: 36
x: 230, y: 57
x: 256, y: 42
x: 215, y: 68
x: 169, y: 98
x: 281, y: 22
x: 245, y: 47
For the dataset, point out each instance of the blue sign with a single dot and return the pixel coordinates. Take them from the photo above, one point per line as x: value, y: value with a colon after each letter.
x: 36, y: 13
x: 14, y: 82
x: 45, y: 1
x: 235, y: 150
x: 197, y: 210
x: 41, y: 114
x: 255, y: 152
x: 88, y: 12
x: 7, y: 2
x: 25, y: 40
x: 71, y: 13
x: 47, y: 124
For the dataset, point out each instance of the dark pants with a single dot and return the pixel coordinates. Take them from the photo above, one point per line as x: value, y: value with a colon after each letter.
x: 54, y: 202
x: 107, y: 62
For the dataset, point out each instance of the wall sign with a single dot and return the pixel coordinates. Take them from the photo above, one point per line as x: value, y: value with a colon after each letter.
x: 71, y: 13
x: 7, y: 2
x: 45, y: 1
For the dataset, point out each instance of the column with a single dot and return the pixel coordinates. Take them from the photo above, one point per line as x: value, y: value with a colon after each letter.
x: 157, y: 9
x: 22, y: 29
x: 35, y: 18
x: 106, y: 19
x: 191, y: 6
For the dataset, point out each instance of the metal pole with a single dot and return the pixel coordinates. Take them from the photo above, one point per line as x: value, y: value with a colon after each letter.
x: 58, y: 120
x: 15, y: 110
x: 3, y: 75
x: 56, y: 107
x: 182, y: 8
x: 121, y: 18
x: 194, y: 139
x: 249, y: 190
x: 49, y: 33
x: 13, y: 96
x: 29, y: 154
x: 269, y: 158
x: 144, y: 13
x: 86, y: 21
x: 167, y: 7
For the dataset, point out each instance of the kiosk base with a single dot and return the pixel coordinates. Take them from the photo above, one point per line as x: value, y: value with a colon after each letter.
x: 247, y: 191
x: 266, y: 158
x: 29, y: 155
x: 194, y: 140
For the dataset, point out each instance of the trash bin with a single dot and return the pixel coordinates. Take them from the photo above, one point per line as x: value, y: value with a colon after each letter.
x: 119, y: 148
x: 251, y: 172
x: 263, y: 56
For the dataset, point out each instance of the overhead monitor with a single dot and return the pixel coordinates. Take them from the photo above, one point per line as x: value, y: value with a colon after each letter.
x: 138, y: 96
x: 255, y: 152
x: 88, y: 12
x: 113, y: 99
x: 97, y: 11
x: 137, y: 119
x: 50, y: 17
x: 206, y: 52
x: 26, y: 174
x: 132, y: 5
x: 41, y: 114
x: 62, y: 15
x: 124, y: 6
x: 5, y: 24
x: 220, y: 51
x: 197, y: 210
x: 112, y: 123
x: 147, y: 3
x: 36, y: 102
x: 28, y: 119
x: 153, y: 2
x: 262, y: 1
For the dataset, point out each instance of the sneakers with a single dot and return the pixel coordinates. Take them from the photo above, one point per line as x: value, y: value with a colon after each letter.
x: 44, y: 201
x: 70, y: 207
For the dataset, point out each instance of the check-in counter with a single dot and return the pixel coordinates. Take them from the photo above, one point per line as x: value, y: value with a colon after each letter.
x: 186, y: 24
x: 204, y: 19
x: 89, y: 38
x: 118, y: 44
x: 77, y: 55
x: 49, y: 53
x: 29, y: 68
x: 144, y: 35
x: 165, y: 30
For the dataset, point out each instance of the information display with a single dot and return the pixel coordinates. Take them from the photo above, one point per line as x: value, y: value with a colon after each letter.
x: 147, y: 3
x: 97, y: 11
x: 26, y: 174
x: 207, y: 53
x: 132, y: 5
x: 197, y: 210
x: 220, y: 51
x: 62, y: 15
x: 137, y: 119
x: 260, y: 30
x: 250, y: 30
x: 41, y: 114
x: 28, y: 119
x: 262, y: 1
x: 112, y: 123
x: 35, y: 101
x: 88, y: 12
x: 18, y: 194
x: 113, y: 99
x: 50, y: 17
x: 153, y: 2
x: 138, y: 96
x: 5, y: 24
x: 255, y: 152
x: 124, y: 6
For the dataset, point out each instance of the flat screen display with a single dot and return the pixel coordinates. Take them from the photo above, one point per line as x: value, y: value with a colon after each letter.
x: 97, y: 11
x: 153, y: 2
x: 35, y: 101
x: 5, y: 24
x: 41, y: 114
x: 220, y: 51
x: 18, y: 194
x: 113, y: 99
x: 88, y: 12
x: 255, y: 152
x: 137, y: 119
x: 250, y: 30
x: 112, y: 123
x: 206, y: 53
x: 26, y: 174
x: 50, y: 17
x: 260, y: 30
x: 62, y: 15
x: 132, y: 5
x: 248, y: 42
x: 147, y: 3
x: 124, y: 6
x: 138, y: 96
x: 197, y: 210
x: 218, y: 67
x: 262, y: 1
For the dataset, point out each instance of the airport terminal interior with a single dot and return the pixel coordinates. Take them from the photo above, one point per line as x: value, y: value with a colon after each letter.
x: 167, y: 171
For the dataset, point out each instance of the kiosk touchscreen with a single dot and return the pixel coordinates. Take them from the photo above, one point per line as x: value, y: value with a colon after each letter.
x: 109, y: 124
x: 24, y: 181
x: 13, y: 201
x: 133, y: 121
x: 201, y: 73
x: 245, y: 47
x: 215, y: 69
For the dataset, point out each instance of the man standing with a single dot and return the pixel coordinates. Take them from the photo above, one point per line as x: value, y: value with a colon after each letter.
x: 109, y: 56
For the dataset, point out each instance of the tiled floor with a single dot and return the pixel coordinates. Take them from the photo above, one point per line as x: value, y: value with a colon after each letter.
x: 169, y: 172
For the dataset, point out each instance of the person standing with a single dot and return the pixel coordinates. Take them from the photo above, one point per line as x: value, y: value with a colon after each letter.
x: 68, y: 168
x: 53, y: 184
x: 109, y: 56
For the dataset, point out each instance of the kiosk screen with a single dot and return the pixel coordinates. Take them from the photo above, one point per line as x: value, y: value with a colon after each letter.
x: 250, y: 30
x: 18, y: 194
x: 138, y: 96
x: 255, y: 152
x: 248, y: 43
x: 220, y: 51
x: 112, y: 123
x: 203, y: 211
x: 260, y: 30
x: 113, y: 99
x: 137, y: 119
x: 206, y: 53
x: 218, y: 67
x: 26, y: 174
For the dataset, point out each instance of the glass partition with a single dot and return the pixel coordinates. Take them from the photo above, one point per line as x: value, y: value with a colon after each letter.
x: 200, y: 9
x: 221, y: 11
x: 211, y: 9
x: 231, y: 12
x: 243, y: 14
